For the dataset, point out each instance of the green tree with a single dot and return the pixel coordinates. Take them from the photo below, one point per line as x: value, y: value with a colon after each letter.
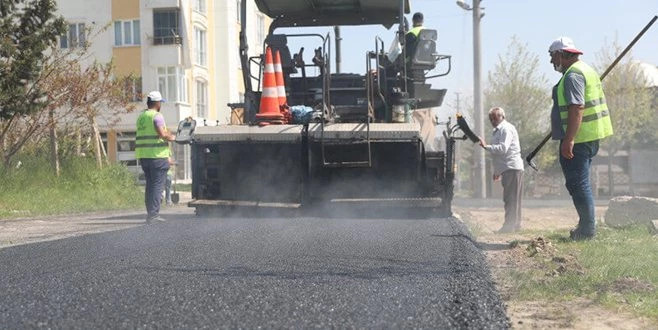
x: 629, y: 100
x: 27, y: 29
x: 516, y: 85
x: 76, y: 92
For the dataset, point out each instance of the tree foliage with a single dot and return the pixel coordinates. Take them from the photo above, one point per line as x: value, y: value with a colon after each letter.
x: 629, y: 99
x: 75, y: 92
x: 27, y: 29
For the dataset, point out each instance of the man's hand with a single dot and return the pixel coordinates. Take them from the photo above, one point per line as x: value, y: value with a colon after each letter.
x: 483, y: 143
x: 496, y: 177
x: 165, y: 134
x: 566, y: 149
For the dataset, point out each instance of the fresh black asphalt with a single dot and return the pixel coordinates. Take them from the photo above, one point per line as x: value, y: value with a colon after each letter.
x: 301, y: 273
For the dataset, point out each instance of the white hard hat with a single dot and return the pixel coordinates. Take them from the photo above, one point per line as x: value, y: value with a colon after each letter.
x: 564, y: 44
x: 154, y: 96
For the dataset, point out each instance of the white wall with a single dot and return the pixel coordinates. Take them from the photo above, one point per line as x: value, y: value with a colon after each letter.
x: 228, y: 75
x: 97, y: 15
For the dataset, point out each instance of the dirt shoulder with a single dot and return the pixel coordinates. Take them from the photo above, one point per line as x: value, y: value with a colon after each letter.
x: 484, y: 220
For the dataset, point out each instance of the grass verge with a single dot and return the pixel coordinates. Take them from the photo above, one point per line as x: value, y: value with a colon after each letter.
x: 33, y: 189
x: 616, y: 270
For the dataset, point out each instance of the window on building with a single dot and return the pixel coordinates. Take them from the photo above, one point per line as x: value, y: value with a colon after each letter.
x: 201, y: 99
x: 133, y: 88
x: 200, y: 6
x: 126, y: 33
x: 172, y: 84
x: 126, y: 145
x: 166, y: 27
x: 75, y: 36
x: 126, y: 149
x: 200, y: 49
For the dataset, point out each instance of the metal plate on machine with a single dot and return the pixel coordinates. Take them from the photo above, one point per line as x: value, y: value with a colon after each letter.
x: 359, y: 131
x: 390, y: 202
x: 333, y: 12
x: 243, y: 133
x: 229, y: 203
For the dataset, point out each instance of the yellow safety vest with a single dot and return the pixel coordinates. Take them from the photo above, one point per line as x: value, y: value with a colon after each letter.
x: 148, y: 143
x: 416, y: 30
x: 596, y: 122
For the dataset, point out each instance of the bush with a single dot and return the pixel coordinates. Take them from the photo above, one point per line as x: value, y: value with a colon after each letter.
x: 33, y: 189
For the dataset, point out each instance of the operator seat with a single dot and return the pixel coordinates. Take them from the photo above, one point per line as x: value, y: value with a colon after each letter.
x: 423, y: 58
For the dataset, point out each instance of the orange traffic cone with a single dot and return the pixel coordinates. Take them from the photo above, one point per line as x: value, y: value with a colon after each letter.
x: 269, y: 112
x: 281, y: 87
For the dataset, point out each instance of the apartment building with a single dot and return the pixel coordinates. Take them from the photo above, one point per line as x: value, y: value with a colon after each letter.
x: 186, y: 49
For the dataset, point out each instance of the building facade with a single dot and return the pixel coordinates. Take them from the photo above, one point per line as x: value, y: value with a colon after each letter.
x: 186, y: 49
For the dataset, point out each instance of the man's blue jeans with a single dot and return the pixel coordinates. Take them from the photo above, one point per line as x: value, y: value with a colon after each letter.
x: 155, y: 173
x: 577, y: 180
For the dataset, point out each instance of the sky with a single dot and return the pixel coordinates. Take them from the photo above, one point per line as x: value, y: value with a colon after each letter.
x: 592, y: 24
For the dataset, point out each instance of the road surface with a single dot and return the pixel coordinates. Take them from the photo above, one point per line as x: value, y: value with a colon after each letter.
x: 240, y: 272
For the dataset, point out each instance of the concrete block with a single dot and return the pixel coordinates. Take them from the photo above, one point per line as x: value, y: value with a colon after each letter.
x: 626, y: 210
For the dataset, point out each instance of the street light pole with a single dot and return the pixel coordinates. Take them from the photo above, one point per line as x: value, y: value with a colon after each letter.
x: 481, y: 173
x: 480, y: 165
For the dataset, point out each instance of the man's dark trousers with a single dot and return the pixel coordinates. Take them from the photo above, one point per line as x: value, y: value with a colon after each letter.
x: 155, y: 173
x: 577, y: 180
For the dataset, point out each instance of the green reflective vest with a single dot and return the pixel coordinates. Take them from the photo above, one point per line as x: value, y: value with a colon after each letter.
x: 148, y: 143
x: 596, y: 122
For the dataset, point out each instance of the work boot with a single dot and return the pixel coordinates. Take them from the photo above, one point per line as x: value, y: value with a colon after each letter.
x: 155, y: 219
x: 577, y: 235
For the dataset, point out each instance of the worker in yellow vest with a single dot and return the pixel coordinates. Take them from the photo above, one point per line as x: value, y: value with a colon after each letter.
x: 411, y: 38
x: 152, y: 152
x: 579, y: 120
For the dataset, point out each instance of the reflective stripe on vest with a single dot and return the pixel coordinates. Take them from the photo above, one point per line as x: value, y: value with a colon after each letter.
x: 596, y: 122
x: 147, y: 142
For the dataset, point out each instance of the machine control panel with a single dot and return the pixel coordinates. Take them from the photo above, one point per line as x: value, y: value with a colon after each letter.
x: 185, y: 131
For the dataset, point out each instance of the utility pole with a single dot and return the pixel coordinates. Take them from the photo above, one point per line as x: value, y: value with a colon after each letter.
x: 481, y: 183
x: 458, y: 183
x: 479, y: 160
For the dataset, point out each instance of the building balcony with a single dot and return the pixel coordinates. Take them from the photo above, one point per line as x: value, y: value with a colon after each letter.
x: 165, y: 55
x: 151, y: 4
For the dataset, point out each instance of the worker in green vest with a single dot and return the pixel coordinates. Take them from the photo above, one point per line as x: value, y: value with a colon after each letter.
x: 152, y: 152
x: 411, y: 38
x: 579, y: 120
x: 413, y: 76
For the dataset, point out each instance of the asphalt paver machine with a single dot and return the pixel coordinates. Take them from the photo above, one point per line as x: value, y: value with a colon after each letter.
x: 360, y: 139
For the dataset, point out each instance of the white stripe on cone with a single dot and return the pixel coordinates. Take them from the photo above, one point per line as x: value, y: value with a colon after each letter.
x: 270, y: 92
